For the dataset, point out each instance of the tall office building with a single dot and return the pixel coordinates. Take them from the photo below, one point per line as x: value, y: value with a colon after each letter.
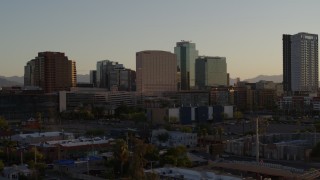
x: 104, y: 68
x: 112, y: 75
x: 93, y: 77
x: 52, y: 71
x: 300, y: 63
x: 127, y: 80
x: 186, y: 56
x: 286, y: 53
x: 156, y: 72
x: 211, y: 71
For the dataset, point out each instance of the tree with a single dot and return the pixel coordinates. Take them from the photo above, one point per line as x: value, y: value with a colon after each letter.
x: 138, y: 162
x: 98, y: 112
x: 173, y: 120
x: 220, y: 131
x: 263, y: 125
x: 121, y: 153
x: 214, y: 132
x: 95, y: 132
x: 317, y: 126
x: 9, y: 147
x: 35, y: 160
x: 186, y: 129
x: 152, y: 176
x: 33, y: 154
x: 152, y: 153
x: 238, y: 115
x: 3, y: 124
x: 176, y: 156
x: 163, y: 137
x: 138, y: 117
x: 315, y: 153
x: 224, y: 116
x: 203, y: 129
x: 1, y: 165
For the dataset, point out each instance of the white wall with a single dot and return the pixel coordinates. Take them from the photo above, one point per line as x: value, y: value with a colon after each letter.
x: 62, y: 101
x: 229, y: 111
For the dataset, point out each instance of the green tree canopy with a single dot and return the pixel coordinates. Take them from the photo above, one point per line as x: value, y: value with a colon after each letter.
x: 95, y: 132
x: 138, y: 161
x: 176, y: 156
x: 163, y: 137
x: 238, y: 115
x: 3, y: 124
x: 121, y: 154
x: 1, y: 165
x: 186, y: 129
x: 316, y: 151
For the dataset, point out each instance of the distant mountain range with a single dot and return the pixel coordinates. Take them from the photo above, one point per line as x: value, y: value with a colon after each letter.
x: 85, y: 78
x: 14, y: 79
x: 6, y: 82
x: 274, y: 78
x: 19, y: 80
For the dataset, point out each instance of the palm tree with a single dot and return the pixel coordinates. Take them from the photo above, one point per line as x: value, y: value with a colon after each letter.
x: 9, y: 147
x: 3, y: 124
x: 214, y: 133
x: 121, y: 153
x: 220, y: 132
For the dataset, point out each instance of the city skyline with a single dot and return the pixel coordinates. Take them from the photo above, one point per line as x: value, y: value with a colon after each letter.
x: 248, y: 34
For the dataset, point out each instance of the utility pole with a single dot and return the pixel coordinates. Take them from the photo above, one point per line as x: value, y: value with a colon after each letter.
x: 315, y: 135
x: 257, y: 139
x: 35, y: 154
x: 21, y: 157
x: 88, y: 171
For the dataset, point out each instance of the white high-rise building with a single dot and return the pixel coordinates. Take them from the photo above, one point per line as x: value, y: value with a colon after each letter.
x: 304, y: 62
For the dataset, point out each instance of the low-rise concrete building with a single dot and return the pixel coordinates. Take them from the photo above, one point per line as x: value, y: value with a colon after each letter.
x: 188, y: 174
x: 274, y: 146
x: 38, y: 137
x: 74, y: 148
x: 174, y: 138
x: 14, y: 172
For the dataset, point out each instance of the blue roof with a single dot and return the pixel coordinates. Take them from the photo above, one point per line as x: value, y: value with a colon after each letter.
x: 92, y: 158
x: 65, y: 162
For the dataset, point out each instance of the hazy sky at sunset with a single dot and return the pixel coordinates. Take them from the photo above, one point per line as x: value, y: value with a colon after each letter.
x: 247, y: 32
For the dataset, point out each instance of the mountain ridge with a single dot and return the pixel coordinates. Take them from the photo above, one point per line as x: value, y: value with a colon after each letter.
x: 4, y: 82
x: 85, y: 78
x: 19, y: 80
x: 274, y: 78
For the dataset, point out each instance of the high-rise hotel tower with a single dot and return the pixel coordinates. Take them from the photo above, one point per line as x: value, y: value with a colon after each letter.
x: 52, y: 71
x: 300, y: 63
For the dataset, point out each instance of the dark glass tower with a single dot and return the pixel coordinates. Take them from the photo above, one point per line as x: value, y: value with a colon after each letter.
x: 186, y: 57
x: 286, y: 51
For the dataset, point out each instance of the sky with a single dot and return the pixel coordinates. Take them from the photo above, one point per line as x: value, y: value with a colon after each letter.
x: 247, y: 32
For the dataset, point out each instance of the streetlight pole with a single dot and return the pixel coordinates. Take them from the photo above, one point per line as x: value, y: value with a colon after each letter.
x: 315, y: 135
x: 257, y: 139
x: 88, y: 171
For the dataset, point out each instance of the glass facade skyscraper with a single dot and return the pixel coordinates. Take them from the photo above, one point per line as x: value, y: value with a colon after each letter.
x: 186, y: 56
x: 211, y: 71
x: 110, y: 74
